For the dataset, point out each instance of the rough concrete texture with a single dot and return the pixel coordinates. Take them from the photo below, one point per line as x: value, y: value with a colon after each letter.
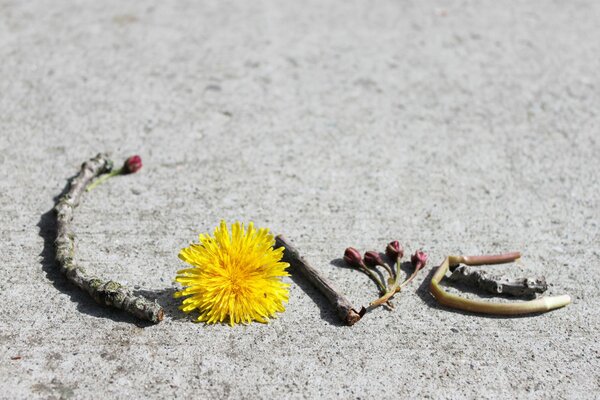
x: 456, y: 127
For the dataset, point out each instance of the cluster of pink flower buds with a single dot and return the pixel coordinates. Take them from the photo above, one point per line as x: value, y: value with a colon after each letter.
x: 393, y: 250
x: 372, y: 259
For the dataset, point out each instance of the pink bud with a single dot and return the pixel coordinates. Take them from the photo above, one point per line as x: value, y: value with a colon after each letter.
x: 132, y: 164
x: 419, y: 259
x: 352, y: 257
x: 394, y: 250
x: 372, y: 259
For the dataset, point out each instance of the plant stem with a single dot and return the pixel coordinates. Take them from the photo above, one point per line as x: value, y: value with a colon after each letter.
x: 389, y: 270
x: 386, y: 297
x: 410, y: 278
x: 380, y: 285
x: 344, y: 308
x: 390, y: 291
x: 103, y: 178
x: 395, y: 287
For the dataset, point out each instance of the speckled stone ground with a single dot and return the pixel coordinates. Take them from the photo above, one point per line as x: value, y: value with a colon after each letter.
x: 456, y: 127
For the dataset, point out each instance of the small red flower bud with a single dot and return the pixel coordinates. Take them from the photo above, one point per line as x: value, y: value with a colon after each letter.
x: 394, y: 250
x: 132, y: 164
x: 372, y: 259
x: 419, y: 259
x: 352, y: 257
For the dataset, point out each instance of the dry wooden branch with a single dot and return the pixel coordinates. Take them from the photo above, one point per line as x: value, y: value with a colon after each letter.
x: 109, y: 293
x: 344, y: 308
x: 498, y: 284
x: 541, y: 304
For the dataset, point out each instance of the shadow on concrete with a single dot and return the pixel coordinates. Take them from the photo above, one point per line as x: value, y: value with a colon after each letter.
x: 165, y: 298
x: 340, y: 263
x: 423, y: 291
x: 327, y: 310
x: 86, y: 304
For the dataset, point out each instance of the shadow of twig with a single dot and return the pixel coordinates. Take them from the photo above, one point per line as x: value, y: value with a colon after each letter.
x: 327, y: 310
x: 165, y: 298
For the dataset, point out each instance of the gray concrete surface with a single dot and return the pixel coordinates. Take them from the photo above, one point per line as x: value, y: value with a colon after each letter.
x: 458, y: 127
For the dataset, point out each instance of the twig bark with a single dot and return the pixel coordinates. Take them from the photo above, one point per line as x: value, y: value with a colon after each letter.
x: 499, y: 284
x: 109, y: 293
x: 344, y: 308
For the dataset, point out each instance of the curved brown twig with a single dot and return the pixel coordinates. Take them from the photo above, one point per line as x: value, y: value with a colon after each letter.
x: 109, y: 293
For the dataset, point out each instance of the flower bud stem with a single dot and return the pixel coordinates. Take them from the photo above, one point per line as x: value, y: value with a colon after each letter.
x: 389, y: 270
x: 103, y: 178
x: 391, y: 291
x: 396, y: 286
x: 368, y: 271
x: 411, y: 277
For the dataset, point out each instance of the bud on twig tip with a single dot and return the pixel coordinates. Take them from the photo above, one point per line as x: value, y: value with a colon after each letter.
x: 394, y: 250
x: 352, y: 257
x: 419, y: 259
x: 132, y: 164
x: 372, y: 259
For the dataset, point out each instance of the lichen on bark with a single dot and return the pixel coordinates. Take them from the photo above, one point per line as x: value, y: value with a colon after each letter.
x: 519, y: 287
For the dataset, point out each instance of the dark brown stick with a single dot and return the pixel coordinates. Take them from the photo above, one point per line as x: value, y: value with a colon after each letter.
x: 498, y: 284
x: 344, y: 308
x: 109, y: 293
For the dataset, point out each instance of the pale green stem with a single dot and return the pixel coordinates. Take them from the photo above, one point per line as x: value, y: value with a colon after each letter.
x: 389, y: 270
x: 410, y: 278
x: 374, y: 277
x: 391, y: 290
x: 103, y: 178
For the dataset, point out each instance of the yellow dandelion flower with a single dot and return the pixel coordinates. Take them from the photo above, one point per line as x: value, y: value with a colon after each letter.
x: 236, y: 276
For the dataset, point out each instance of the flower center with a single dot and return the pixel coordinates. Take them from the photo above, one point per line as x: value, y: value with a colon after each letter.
x: 235, y: 283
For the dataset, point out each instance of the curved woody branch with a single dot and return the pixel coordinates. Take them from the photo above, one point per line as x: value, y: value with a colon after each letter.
x: 109, y: 293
